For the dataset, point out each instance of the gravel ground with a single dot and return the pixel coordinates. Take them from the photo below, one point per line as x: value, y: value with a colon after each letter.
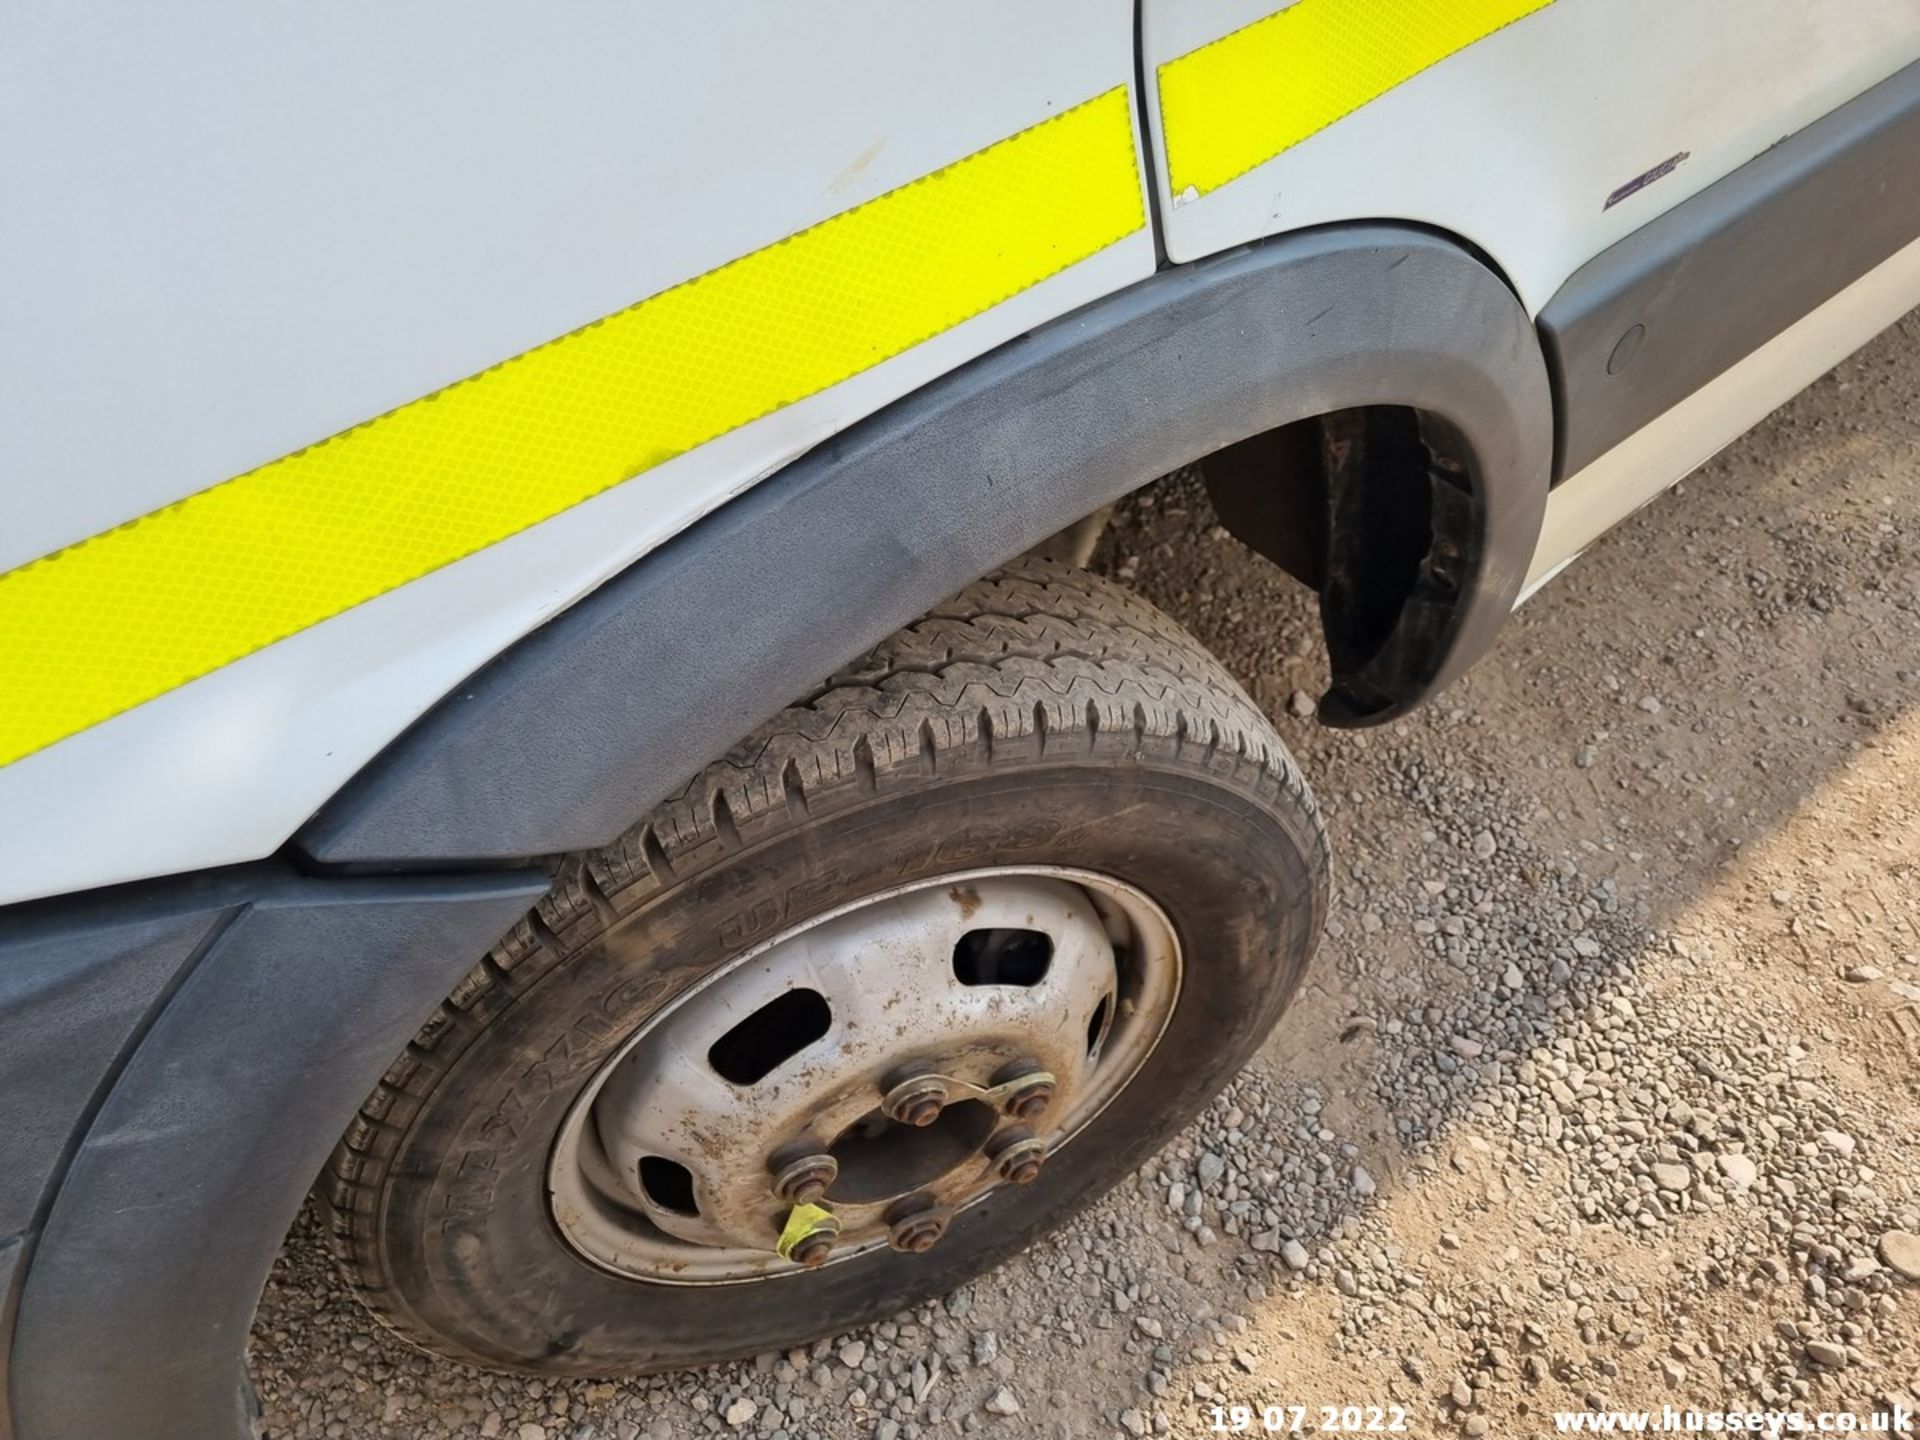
x: 1603, y: 1094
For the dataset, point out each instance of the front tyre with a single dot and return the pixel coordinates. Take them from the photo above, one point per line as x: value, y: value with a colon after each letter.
x: 921, y: 968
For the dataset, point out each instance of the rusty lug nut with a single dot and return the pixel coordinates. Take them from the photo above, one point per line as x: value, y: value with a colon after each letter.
x: 813, y: 1251
x: 1028, y: 1089
x: 917, y: 1101
x: 1017, y: 1156
x: 806, y: 1180
x: 917, y: 1229
x: 1031, y: 1102
x: 1021, y: 1164
x: 817, y: 1230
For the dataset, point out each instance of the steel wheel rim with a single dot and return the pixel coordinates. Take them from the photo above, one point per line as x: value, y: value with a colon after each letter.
x: 1113, y: 970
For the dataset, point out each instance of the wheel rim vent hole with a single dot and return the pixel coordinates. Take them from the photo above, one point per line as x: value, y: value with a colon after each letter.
x: 771, y: 1036
x: 668, y: 1184
x: 1097, y: 1025
x: 1002, y: 957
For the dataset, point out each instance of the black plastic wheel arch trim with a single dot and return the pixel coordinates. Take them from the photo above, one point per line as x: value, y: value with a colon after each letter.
x: 560, y: 742
x: 135, y: 1296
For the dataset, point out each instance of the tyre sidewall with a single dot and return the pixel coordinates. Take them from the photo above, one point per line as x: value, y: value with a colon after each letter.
x: 465, y: 1219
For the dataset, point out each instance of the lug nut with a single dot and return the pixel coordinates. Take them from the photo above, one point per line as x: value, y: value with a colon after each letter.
x: 1017, y: 1156
x: 806, y: 1180
x: 1031, y: 1103
x: 916, y: 1101
x: 1026, y: 1089
x: 813, y: 1251
x: 808, y: 1236
x: 1021, y: 1164
x: 915, y: 1225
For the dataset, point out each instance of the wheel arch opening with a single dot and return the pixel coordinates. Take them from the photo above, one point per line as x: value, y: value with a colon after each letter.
x: 1375, y: 509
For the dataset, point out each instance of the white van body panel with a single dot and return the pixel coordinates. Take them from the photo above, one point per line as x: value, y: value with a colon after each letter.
x: 319, y: 213
x: 234, y: 229
x: 329, y: 211
x: 1516, y: 142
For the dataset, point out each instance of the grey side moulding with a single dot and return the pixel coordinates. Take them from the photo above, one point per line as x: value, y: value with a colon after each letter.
x: 70, y: 999
x: 138, y: 1293
x: 78, y: 981
x: 1652, y: 319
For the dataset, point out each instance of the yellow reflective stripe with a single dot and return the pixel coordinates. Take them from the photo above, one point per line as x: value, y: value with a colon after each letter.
x: 131, y: 613
x: 1241, y: 100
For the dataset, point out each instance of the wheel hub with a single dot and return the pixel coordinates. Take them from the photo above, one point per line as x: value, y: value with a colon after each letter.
x: 883, y: 1066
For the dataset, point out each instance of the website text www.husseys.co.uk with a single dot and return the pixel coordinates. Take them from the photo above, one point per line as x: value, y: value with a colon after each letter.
x: 1668, y: 1420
